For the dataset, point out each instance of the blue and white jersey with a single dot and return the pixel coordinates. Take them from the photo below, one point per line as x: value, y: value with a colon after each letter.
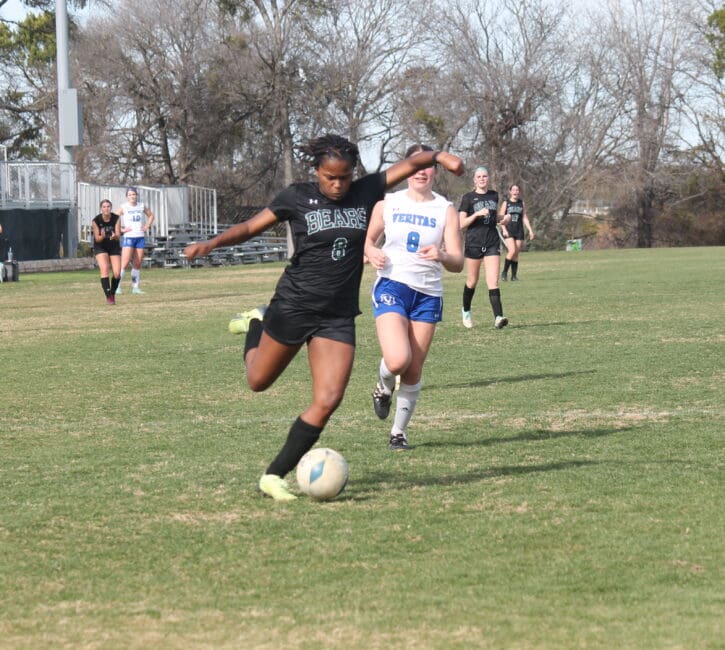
x: 409, y: 226
x: 133, y: 217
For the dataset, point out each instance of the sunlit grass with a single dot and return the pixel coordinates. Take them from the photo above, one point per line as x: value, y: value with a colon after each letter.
x: 564, y: 489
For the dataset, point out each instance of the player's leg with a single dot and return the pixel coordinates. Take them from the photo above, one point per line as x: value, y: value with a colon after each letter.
x: 510, y: 253
x: 116, y: 269
x: 515, y: 259
x: 126, y: 254
x: 104, y: 266
x: 138, y: 253
x: 420, y: 338
x: 330, y: 364
x: 392, y: 329
x: 265, y: 358
x: 491, y: 266
x: 473, y: 271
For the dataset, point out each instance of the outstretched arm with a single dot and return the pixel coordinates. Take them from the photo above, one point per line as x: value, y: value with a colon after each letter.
x: 234, y: 235
x: 407, y: 167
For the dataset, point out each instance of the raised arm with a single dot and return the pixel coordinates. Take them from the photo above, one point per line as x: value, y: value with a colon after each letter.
x: 237, y: 234
x: 408, y: 166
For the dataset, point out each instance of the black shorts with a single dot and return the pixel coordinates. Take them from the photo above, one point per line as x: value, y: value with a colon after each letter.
x: 107, y: 247
x: 294, y: 326
x: 479, y: 252
x: 515, y: 233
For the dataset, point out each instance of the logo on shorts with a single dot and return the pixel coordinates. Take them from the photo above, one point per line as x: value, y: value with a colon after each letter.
x: 387, y: 299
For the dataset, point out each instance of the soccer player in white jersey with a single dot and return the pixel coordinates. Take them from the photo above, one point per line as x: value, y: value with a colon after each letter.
x: 422, y: 237
x: 136, y: 220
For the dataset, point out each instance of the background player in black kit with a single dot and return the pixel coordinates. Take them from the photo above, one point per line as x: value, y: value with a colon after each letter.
x: 107, y: 249
x: 478, y: 216
x: 513, y: 231
x: 316, y: 300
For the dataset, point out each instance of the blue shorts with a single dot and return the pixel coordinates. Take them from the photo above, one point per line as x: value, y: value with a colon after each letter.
x: 396, y: 297
x: 133, y: 242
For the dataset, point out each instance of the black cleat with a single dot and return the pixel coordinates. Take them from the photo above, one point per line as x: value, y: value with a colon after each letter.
x: 399, y: 443
x: 503, y: 277
x: 381, y: 401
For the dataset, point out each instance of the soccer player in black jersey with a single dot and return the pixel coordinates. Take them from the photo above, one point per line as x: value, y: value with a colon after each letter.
x: 513, y: 232
x: 107, y: 249
x: 316, y: 299
x: 478, y: 216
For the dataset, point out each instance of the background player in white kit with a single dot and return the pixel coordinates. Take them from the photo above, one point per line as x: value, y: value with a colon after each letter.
x: 422, y: 237
x: 136, y: 220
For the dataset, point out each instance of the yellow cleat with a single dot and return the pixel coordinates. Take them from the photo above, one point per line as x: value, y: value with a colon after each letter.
x: 240, y: 323
x: 276, y: 487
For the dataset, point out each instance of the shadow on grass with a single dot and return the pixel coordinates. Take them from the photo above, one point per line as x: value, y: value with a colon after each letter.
x: 537, y: 434
x: 524, y: 326
x: 375, y: 479
x: 510, y: 380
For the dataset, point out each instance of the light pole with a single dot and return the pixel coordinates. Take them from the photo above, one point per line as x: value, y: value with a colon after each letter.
x: 70, y: 129
x: 65, y: 108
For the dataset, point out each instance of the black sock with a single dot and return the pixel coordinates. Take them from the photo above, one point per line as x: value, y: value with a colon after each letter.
x: 300, y: 439
x: 468, y: 297
x: 514, y: 269
x: 114, y: 285
x: 106, y: 286
x: 494, y: 295
x: 254, y: 333
x: 506, y: 265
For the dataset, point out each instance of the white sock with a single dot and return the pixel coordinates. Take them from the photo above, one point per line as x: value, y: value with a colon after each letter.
x: 405, y: 406
x: 135, y: 277
x: 387, y: 378
x: 120, y: 277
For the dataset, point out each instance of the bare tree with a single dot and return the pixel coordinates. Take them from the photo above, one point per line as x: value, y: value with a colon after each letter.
x: 529, y: 102
x: 353, y: 85
x: 146, y: 90
x: 650, y: 42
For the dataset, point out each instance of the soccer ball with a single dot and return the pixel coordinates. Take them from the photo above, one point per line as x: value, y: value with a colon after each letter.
x: 322, y: 473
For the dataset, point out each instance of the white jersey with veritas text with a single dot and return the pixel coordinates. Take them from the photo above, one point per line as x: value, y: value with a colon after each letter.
x: 409, y: 226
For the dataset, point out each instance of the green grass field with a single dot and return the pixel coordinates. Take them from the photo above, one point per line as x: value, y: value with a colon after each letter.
x: 565, y: 489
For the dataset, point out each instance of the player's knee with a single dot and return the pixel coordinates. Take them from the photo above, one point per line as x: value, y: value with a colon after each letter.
x: 398, y: 364
x: 328, y: 401
x: 258, y: 383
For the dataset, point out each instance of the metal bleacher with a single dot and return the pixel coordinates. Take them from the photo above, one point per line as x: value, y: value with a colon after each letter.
x: 183, y: 215
x: 168, y: 251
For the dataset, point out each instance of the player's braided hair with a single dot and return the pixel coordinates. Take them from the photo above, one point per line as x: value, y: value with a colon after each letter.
x: 334, y: 146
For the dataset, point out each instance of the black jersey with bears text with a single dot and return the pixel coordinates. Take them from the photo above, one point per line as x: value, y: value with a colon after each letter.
x: 515, y: 227
x: 106, y: 228
x: 482, y: 232
x: 325, y: 271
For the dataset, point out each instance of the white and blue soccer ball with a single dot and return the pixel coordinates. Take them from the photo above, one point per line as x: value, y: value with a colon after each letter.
x: 322, y: 473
